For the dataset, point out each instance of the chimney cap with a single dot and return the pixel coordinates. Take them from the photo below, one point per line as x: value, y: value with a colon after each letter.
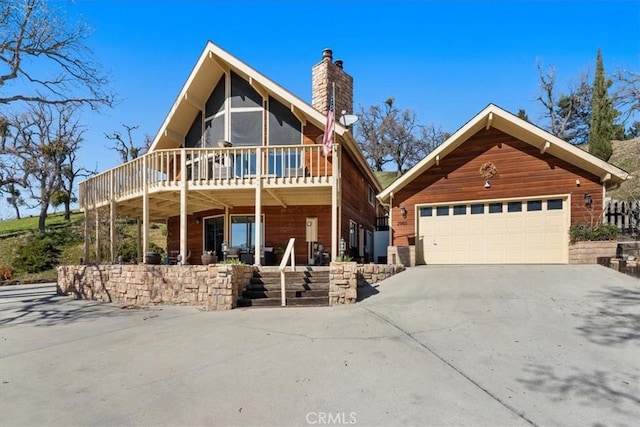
x: 339, y: 63
x: 327, y: 53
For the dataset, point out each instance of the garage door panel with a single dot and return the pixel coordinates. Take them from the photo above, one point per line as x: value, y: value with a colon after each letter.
x: 538, y: 235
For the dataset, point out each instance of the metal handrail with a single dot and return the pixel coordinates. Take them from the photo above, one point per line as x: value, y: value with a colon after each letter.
x: 288, y: 253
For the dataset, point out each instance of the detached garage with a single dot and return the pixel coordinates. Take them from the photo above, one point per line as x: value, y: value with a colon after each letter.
x: 498, y: 191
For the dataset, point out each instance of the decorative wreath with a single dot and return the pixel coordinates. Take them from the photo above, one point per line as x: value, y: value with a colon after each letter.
x: 488, y: 170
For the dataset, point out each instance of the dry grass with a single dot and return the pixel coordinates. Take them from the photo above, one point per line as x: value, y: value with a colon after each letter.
x: 626, y: 156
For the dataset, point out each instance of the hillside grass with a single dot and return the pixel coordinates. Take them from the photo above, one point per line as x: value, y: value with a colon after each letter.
x: 626, y: 156
x: 69, y: 236
x: 9, y: 226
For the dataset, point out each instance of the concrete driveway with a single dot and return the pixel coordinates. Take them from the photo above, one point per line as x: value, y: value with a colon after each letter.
x: 434, y: 345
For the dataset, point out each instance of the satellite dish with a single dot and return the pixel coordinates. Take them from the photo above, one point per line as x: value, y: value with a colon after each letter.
x: 348, y: 119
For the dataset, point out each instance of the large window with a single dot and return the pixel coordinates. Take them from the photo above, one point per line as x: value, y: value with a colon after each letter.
x: 214, y: 234
x: 243, y: 231
x: 284, y: 126
x: 214, y: 125
x: 246, y: 113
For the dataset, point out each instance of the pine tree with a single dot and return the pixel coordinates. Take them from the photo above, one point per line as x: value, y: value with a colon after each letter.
x: 602, y: 129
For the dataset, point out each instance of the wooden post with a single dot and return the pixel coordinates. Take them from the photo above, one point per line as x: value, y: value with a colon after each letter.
x: 98, y: 251
x: 258, y: 208
x: 183, y: 206
x: 112, y: 219
x: 145, y: 208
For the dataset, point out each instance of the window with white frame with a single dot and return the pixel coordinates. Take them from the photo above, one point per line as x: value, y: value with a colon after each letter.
x: 353, y: 234
x: 372, y: 196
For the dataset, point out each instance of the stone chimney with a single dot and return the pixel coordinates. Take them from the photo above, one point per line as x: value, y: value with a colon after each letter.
x: 324, y: 73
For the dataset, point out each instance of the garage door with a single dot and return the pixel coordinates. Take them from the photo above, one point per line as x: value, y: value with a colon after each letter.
x: 532, y: 231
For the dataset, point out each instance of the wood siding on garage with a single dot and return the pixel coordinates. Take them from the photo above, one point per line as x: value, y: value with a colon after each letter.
x: 522, y: 173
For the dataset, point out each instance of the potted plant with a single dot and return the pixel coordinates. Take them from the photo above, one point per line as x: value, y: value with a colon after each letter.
x: 209, y: 257
x: 278, y: 252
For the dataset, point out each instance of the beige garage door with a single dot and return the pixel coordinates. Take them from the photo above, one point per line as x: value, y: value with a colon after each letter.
x: 532, y: 231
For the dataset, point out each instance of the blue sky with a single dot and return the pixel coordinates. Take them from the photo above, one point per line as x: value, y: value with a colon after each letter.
x: 446, y: 60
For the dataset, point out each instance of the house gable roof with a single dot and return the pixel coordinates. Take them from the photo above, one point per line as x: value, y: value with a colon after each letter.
x: 212, y: 64
x: 496, y: 117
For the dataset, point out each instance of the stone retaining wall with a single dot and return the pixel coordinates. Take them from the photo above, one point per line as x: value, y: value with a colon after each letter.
x: 587, y: 252
x: 216, y: 287
x: 346, y: 277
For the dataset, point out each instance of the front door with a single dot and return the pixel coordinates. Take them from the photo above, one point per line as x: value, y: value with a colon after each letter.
x: 214, y: 234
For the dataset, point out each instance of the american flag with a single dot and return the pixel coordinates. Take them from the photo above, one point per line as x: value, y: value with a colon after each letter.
x: 327, y: 141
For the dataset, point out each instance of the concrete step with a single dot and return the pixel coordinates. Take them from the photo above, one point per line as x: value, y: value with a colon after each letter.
x: 290, y: 293
x: 277, y: 302
x: 288, y: 287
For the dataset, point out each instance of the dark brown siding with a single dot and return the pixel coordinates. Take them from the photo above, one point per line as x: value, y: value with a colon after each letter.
x: 355, y: 198
x: 522, y: 172
x: 310, y: 135
x: 280, y: 224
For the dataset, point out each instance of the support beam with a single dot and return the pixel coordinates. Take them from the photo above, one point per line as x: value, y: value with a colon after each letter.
x: 112, y: 220
x: 139, y: 241
x: 298, y: 115
x: 545, y: 147
x: 175, y: 136
x: 259, y: 88
x: 334, y: 205
x: 98, y: 242
x: 145, y: 208
x: 438, y: 160
x: 606, y: 177
x: 390, y: 221
x: 489, y: 120
x: 273, y: 194
x: 207, y: 196
x: 196, y: 102
x: 223, y: 66
x: 183, y: 206
x: 258, y: 208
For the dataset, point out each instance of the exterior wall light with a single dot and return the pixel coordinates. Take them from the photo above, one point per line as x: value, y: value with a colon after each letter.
x: 403, y: 211
x: 588, y: 201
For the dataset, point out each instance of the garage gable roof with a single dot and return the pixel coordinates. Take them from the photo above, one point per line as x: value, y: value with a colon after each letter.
x: 496, y: 117
x: 213, y: 62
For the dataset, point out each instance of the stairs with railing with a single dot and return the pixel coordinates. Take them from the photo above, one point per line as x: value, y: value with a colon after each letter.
x: 307, y: 286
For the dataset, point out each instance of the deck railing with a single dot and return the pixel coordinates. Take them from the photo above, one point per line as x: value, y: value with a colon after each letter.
x: 207, y: 166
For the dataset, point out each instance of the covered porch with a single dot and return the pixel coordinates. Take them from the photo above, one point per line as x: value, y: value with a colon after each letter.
x: 249, y: 198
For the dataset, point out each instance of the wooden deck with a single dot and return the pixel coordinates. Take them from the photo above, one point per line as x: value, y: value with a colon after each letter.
x: 224, y: 177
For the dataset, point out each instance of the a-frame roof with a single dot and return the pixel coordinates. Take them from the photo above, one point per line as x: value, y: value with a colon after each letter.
x: 496, y: 117
x: 212, y: 64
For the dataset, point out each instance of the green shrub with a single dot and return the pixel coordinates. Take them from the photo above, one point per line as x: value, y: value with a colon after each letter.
x: 36, y: 255
x: 232, y: 261
x: 128, y: 251
x: 583, y: 232
x: 343, y: 258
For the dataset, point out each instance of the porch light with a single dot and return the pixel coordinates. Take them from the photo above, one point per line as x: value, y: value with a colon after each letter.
x: 588, y: 201
x: 225, y: 248
x: 343, y: 247
x: 403, y: 211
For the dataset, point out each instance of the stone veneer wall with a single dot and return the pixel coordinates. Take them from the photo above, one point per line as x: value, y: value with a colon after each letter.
x: 215, y: 286
x: 405, y: 255
x: 588, y: 252
x: 346, y: 277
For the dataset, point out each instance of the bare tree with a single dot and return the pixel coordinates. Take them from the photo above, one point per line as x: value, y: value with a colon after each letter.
x: 38, y: 147
x: 626, y: 96
x: 387, y: 135
x: 567, y: 115
x: 70, y: 173
x: 43, y: 58
x: 124, y: 145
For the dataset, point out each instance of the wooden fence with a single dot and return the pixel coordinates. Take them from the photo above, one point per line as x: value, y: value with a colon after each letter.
x: 624, y: 215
